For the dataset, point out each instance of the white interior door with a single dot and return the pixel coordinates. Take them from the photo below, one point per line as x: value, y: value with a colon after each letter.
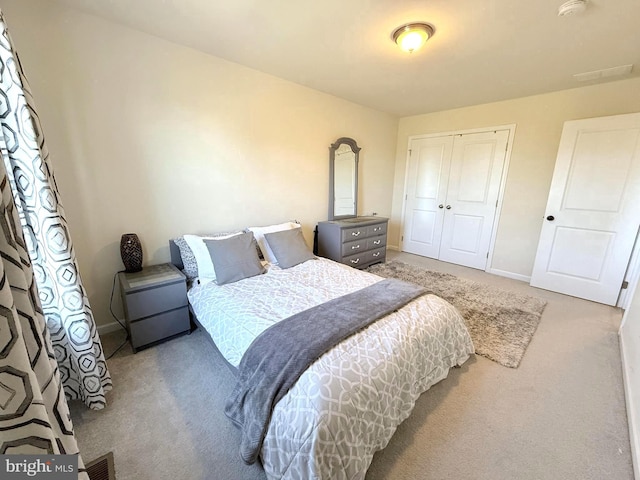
x: 593, y: 210
x: 427, y: 177
x: 472, y: 197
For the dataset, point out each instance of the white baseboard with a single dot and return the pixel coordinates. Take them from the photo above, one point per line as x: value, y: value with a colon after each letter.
x: 504, y: 273
x: 632, y: 416
x: 109, y: 327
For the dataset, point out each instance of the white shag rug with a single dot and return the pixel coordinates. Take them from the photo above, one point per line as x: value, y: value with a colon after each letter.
x: 501, y: 323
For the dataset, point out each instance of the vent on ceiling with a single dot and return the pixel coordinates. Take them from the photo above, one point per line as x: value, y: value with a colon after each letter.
x: 605, y: 73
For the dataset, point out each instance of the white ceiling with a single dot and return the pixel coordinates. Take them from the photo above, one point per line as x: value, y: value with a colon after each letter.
x: 482, y: 51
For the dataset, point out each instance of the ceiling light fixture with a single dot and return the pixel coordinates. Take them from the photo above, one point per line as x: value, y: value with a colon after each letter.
x: 572, y: 7
x: 412, y: 36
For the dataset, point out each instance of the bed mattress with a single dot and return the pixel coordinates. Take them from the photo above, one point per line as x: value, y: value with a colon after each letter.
x: 348, y: 403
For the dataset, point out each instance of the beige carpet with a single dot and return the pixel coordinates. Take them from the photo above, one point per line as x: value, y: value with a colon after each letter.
x: 559, y: 415
x: 501, y: 322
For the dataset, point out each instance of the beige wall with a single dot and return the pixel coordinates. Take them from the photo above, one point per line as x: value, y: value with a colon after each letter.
x: 630, y: 343
x: 150, y: 137
x: 539, y: 121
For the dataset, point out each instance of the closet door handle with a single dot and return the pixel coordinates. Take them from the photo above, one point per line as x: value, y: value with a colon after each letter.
x: 441, y: 206
x: 448, y: 207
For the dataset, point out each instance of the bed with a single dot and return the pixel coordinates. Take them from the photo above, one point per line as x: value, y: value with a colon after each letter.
x: 348, y: 403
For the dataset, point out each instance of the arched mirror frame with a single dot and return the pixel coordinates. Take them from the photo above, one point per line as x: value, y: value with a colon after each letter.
x: 332, y: 176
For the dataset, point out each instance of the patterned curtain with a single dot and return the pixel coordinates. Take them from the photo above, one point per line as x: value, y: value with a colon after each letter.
x: 77, y: 347
x: 34, y: 417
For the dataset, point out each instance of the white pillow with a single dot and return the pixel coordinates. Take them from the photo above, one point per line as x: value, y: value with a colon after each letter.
x: 206, y: 272
x: 259, y: 233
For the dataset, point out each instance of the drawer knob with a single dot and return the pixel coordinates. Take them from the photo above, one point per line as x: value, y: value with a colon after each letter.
x: 357, y: 260
x: 377, y: 254
x: 355, y: 247
x: 355, y: 234
x: 377, y: 242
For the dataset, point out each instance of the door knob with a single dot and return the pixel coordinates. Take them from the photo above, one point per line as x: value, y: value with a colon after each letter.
x: 551, y: 218
x: 441, y: 206
x: 448, y: 207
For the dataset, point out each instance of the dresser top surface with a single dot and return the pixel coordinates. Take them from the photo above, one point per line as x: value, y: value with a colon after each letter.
x: 358, y: 221
x: 152, y: 276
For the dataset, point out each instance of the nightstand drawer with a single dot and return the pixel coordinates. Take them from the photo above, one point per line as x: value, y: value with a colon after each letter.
x: 156, y: 300
x: 159, y: 327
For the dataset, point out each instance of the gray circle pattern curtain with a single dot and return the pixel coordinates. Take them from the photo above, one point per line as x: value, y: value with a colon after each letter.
x: 34, y: 416
x: 77, y: 347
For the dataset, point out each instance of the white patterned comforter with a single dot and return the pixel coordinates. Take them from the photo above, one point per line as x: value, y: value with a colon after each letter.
x: 348, y: 404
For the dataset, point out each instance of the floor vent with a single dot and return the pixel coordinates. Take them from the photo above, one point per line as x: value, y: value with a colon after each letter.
x: 102, y: 468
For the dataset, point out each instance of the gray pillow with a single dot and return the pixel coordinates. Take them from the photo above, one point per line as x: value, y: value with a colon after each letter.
x: 234, y: 258
x: 289, y: 247
x: 189, y: 263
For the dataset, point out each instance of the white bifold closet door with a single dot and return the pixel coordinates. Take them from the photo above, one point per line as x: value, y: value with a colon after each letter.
x: 452, y: 190
x: 593, y: 210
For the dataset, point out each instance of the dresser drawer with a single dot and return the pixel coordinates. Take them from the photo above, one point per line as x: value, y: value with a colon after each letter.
x: 355, y: 233
x: 159, y: 327
x: 366, y: 258
x: 376, y: 242
x: 380, y: 229
x: 354, y: 248
x: 155, y: 300
x: 377, y: 255
x: 357, y: 260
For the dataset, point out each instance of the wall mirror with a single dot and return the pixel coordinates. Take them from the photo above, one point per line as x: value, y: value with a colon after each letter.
x: 343, y: 179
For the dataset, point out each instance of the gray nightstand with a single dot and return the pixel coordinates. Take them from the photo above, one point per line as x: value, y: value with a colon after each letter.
x: 155, y: 304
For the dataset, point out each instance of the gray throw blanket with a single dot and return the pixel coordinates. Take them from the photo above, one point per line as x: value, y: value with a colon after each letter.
x: 279, y: 355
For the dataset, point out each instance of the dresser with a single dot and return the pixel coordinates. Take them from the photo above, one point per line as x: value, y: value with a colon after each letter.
x: 358, y: 242
x: 155, y: 304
